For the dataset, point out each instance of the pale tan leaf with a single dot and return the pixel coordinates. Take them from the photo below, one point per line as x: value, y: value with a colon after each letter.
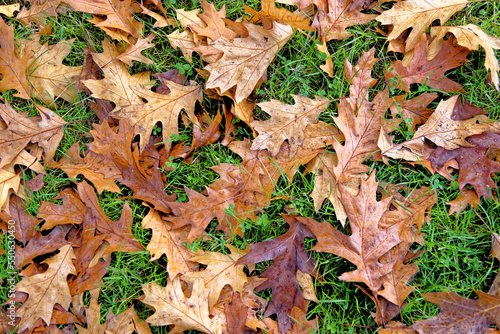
x: 287, y: 122
x: 160, y: 108
x: 418, y: 15
x: 47, y: 289
x: 245, y: 60
x: 172, y: 307
x: 8, y: 10
x: 133, y: 52
x: 184, y: 41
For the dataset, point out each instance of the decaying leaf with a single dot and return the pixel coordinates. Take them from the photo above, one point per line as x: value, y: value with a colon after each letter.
x: 418, y: 15
x: 246, y: 59
x: 172, y: 307
x: 288, y: 122
x: 288, y: 255
x: 47, y: 289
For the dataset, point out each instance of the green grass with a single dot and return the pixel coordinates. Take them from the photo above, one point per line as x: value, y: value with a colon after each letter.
x: 457, y: 247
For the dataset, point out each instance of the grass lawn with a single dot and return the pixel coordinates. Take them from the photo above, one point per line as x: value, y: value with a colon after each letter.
x: 457, y: 247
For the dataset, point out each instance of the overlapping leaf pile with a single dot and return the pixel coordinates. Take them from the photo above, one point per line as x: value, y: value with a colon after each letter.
x: 69, y: 253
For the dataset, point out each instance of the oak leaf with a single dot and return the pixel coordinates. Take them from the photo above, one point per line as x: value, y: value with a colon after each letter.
x: 327, y: 67
x: 331, y: 23
x: 161, y: 21
x: 12, y: 68
x: 432, y: 72
x: 170, y: 242
x: 200, y: 210
x: 118, y: 14
x: 39, y: 10
x: 160, y: 108
x: 96, y: 168
x: 460, y: 314
x: 471, y: 37
x: 47, y: 289
x: 119, y: 233
x: 172, y: 307
x: 442, y: 130
x: 118, y: 84
x: 25, y: 223
x: 221, y: 270
x: 8, y: 10
x: 184, y: 41
x: 475, y: 168
x: 49, y: 78
x: 246, y: 59
x: 418, y: 15
x: 269, y: 13
x: 45, y: 130
x: 367, y: 243
x: 288, y: 254
x: 288, y: 122
x: 215, y: 26
x: 325, y: 184
x: 464, y: 198
x: 117, y: 145
x: 133, y: 52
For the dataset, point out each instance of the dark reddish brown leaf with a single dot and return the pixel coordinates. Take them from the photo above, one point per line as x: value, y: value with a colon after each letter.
x: 24, y: 222
x: 432, y: 72
x: 233, y: 312
x: 288, y: 255
x: 475, y: 168
x: 35, y: 184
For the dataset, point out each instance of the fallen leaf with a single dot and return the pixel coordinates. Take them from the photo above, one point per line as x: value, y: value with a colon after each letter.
x: 159, y: 108
x: 269, y: 11
x: 8, y: 10
x: 215, y: 26
x: 287, y: 122
x: 118, y: 14
x: 252, y: 56
x: 288, y: 255
x: 118, y: 85
x: 96, y: 168
x: 464, y: 198
x: 331, y: 24
x: 170, y: 242
x: 418, y: 15
x: 414, y: 111
x: 72, y: 211
x: 221, y: 270
x: 431, y: 72
x: 133, y: 52
x: 460, y: 314
x: 172, y: 307
x: 327, y: 67
x: 12, y: 69
x: 47, y: 289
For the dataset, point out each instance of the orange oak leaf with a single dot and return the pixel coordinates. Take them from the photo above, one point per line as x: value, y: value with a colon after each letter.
x: 215, y: 26
x: 118, y: 14
x: 96, y: 168
x: 221, y: 270
x: 47, y: 289
x: 39, y: 10
x: 288, y: 255
x: 464, y: 198
x: 431, y: 72
x: 170, y: 242
x: 269, y: 12
x: 414, y: 111
x: 118, y: 85
x: 160, y: 108
x: 367, y: 243
x: 117, y: 145
x: 12, y: 69
x: 45, y: 130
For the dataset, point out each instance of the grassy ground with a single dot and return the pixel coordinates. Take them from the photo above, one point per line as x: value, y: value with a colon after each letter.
x: 457, y: 246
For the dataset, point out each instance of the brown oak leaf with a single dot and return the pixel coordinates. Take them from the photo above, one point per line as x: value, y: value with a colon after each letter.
x: 47, y: 289
x: 288, y: 122
x: 215, y: 26
x: 431, y: 72
x: 288, y: 255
